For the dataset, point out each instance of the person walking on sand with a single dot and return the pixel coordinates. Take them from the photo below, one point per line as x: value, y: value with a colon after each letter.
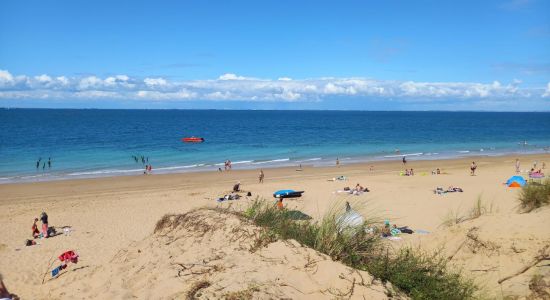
x: 261, y: 177
x: 517, y: 166
x: 404, y: 160
x: 473, y: 168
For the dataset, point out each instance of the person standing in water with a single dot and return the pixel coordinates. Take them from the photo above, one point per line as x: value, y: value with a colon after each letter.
x: 49, y: 162
x: 44, y: 166
x: 337, y: 162
x: 517, y: 166
x: 261, y: 177
x: 38, y: 163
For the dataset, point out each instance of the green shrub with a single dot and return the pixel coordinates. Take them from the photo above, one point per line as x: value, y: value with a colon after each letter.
x: 419, y: 275
x: 534, y: 195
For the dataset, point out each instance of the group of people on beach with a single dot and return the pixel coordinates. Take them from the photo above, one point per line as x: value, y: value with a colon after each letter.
x: 49, y: 162
x: 227, y: 165
x: 145, y: 161
x: 36, y: 233
x: 409, y: 172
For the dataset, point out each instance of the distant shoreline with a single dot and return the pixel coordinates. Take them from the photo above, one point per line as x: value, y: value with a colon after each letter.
x: 254, y: 166
x: 167, y: 180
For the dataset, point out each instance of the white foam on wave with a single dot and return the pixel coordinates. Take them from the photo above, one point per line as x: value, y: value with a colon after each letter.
x: 310, y: 159
x: 406, y: 154
x: 104, y: 172
x: 463, y: 151
x: 179, y: 167
x: 271, y: 161
x: 242, y: 162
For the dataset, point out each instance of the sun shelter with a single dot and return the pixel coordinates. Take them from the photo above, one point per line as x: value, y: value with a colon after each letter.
x: 516, y: 181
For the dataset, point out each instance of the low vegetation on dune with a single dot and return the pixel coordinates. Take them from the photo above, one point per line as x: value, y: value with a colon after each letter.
x: 418, y: 274
x: 534, y: 195
x: 455, y: 217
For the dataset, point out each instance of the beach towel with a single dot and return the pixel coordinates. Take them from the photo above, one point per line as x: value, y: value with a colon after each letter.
x: 69, y: 256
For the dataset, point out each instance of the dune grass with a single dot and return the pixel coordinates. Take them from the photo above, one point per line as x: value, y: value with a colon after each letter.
x: 534, y: 195
x: 454, y: 216
x: 419, y: 275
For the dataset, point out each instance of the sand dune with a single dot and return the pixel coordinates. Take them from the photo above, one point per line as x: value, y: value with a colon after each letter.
x: 210, y: 254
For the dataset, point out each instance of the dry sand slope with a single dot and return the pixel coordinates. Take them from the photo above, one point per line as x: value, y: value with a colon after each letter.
x: 502, y: 252
x: 210, y: 254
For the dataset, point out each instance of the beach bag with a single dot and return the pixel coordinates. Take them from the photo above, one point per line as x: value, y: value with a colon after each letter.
x: 249, y: 194
x: 406, y: 230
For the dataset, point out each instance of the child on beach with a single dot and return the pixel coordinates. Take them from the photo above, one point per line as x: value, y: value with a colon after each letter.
x: 473, y: 168
x: 280, y: 203
x: 35, y: 231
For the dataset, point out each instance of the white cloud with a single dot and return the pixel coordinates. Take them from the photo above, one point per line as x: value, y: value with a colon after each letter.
x: 155, y: 81
x: 5, y: 78
x: 89, y: 82
x: 43, y: 78
x: 62, y: 80
x: 231, y: 76
x: 231, y: 87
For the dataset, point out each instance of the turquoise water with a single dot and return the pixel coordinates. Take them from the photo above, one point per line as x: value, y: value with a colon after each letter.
x: 92, y: 143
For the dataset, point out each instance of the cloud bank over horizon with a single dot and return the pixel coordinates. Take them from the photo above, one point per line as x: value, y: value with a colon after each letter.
x: 233, y: 87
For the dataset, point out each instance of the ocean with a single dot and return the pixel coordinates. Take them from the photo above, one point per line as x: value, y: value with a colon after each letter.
x: 83, y: 143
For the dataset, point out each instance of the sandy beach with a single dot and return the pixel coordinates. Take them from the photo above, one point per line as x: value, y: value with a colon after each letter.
x: 112, y: 222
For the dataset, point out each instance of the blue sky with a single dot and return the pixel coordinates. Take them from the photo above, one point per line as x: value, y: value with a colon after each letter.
x: 451, y: 55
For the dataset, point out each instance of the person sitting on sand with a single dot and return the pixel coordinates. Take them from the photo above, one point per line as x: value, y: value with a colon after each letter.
x: 386, y: 231
x: 44, y: 219
x: 237, y: 187
x: 453, y: 189
x: 35, y: 231
x: 438, y: 171
x: 412, y: 172
x: 407, y: 172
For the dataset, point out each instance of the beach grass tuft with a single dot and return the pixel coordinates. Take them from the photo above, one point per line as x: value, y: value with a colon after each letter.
x: 455, y: 217
x: 194, y: 292
x: 420, y: 275
x: 534, y: 195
